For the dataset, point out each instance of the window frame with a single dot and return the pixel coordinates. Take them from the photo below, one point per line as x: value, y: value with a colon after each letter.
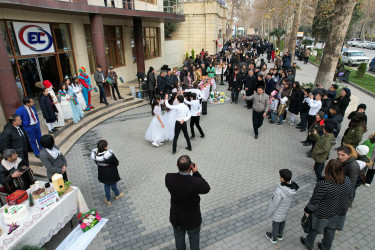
x: 154, y: 39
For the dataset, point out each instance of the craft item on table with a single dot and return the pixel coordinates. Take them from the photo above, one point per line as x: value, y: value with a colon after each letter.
x: 15, y: 213
x: 121, y: 79
x: 12, y: 227
x: 17, y: 197
x: 48, y: 200
x: 31, y: 201
x: 25, y: 180
x: 88, y: 220
x: 66, y: 189
x: 58, y: 182
x: 109, y: 80
x: 95, y: 89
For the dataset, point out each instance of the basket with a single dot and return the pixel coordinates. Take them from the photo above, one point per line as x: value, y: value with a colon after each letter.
x: 17, y: 197
x: 88, y: 220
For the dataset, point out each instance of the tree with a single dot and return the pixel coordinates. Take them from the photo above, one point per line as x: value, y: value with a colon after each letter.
x: 169, y: 28
x: 342, y: 14
x: 293, y: 33
x: 278, y: 33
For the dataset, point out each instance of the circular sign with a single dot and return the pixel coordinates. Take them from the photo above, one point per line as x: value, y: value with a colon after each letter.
x: 37, y: 36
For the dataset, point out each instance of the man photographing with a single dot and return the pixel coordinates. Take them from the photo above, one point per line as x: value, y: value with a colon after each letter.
x: 185, y: 215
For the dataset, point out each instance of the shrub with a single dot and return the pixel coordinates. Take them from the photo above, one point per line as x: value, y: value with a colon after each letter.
x: 187, y: 55
x: 361, y: 70
x: 193, y: 53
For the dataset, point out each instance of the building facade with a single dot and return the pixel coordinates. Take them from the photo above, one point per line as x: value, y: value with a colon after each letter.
x: 50, y: 40
x: 205, y: 23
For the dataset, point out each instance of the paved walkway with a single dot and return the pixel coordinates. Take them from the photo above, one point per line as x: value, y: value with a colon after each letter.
x: 242, y: 172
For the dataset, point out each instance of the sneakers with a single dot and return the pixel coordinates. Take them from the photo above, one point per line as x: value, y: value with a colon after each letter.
x: 160, y: 143
x: 279, y: 124
x: 107, y: 202
x: 155, y: 144
x: 119, y: 196
x: 279, y: 237
x: 269, y: 236
x: 292, y: 124
x: 367, y: 185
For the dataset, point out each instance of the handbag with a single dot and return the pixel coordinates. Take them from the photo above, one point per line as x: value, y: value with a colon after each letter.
x: 306, y: 224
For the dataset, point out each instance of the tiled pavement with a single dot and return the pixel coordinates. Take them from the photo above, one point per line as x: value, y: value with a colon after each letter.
x: 241, y: 171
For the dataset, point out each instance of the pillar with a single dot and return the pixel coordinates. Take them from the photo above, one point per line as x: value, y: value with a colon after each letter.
x: 138, y: 41
x: 9, y: 96
x: 97, y: 34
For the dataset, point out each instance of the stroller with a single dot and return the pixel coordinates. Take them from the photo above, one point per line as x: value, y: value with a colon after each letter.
x: 372, y: 65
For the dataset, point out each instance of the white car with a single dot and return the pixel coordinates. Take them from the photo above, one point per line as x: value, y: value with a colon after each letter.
x: 353, y: 41
x: 363, y: 44
x: 371, y: 45
x: 354, y: 57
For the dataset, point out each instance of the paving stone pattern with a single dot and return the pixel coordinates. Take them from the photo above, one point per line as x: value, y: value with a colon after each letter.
x: 242, y: 173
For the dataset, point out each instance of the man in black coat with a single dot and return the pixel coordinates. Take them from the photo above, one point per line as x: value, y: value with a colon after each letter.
x: 168, y: 81
x: 14, y: 137
x: 161, y: 87
x: 185, y: 215
x: 270, y: 84
x: 235, y: 85
x: 250, y: 86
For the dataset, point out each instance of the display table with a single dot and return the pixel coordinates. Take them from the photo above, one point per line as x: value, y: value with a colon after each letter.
x: 40, y: 225
x: 206, y: 89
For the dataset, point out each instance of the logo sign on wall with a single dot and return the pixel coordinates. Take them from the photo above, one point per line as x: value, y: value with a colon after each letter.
x: 33, y: 38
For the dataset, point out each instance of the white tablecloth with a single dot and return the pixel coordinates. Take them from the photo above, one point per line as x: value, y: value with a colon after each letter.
x: 39, y: 226
x: 206, y: 91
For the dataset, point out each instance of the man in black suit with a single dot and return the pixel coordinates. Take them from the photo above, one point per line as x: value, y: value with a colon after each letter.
x: 185, y: 215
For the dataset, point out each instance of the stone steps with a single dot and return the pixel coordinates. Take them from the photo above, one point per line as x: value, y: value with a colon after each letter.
x: 66, y: 137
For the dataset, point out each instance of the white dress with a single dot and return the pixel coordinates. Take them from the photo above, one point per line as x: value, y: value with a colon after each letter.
x: 60, y: 116
x: 155, y: 132
x: 80, y: 98
x: 169, y: 119
x: 66, y: 106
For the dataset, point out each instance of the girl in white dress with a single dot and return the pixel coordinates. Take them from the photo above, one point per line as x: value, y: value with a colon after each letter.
x: 156, y: 131
x: 64, y: 100
x: 77, y: 89
x: 169, y: 118
x: 60, y: 116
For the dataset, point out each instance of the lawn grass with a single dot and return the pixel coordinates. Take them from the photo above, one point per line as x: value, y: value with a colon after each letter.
x: 367, y: 81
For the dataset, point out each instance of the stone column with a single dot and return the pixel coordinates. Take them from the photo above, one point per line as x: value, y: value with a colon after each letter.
x: 97, y: 34
x: 9, y: 96
x: 138, y: 41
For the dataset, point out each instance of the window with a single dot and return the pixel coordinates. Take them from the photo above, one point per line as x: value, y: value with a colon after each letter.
x: 152, y: 42
x: 62, y: 37
x: 150, y: 1
x: 134, y: 57
x: 90, y: 50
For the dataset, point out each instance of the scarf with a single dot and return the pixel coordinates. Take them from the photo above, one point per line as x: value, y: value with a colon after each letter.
x: 9, y: 165
x: 54, y: 152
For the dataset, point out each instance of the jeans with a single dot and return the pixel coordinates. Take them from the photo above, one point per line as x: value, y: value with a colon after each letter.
x: 195, y: 120
x: 234, y: 95
x: 102, y: 94
x: 281, y: 119
x: 257, y: 121
x: 179, y: 235
x: 277, y: 228
x: 273, y: 115
x: 328, y: 236
x: 318, y: 168
x: 304, y: 120
x: 107, y: 189
x: 177, y: 128
x: 34, y: 134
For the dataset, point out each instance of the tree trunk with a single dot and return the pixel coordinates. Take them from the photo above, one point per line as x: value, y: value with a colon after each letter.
x: 293, y: 34
x: 288, y: 31
x: 342, y: 14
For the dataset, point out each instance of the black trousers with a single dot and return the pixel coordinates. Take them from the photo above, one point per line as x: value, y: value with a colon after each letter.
x: 310, y: 121
x: 177, y: 128
x: 115, y: 87
x: 370, y: 175
x: 318, y: 169
x: 195, y: 120
x: 249, y: 103
x: 257, y: 120
x: 151, y: 95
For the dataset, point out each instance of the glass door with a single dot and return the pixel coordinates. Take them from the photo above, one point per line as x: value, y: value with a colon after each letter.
x: 48, y: 70
x: 30, y: 73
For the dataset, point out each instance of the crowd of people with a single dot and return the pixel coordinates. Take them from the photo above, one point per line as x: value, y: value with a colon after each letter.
x: 271, y: 92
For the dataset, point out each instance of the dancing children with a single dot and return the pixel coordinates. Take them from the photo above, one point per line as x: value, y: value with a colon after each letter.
x: 156, y: 132
x: 196, y: 109
x: 107, y: 170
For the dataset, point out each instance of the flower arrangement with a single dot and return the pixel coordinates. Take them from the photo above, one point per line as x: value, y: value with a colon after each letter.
x: 88, y: 220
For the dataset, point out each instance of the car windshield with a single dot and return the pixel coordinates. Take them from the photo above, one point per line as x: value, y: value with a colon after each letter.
x: 357, y: 54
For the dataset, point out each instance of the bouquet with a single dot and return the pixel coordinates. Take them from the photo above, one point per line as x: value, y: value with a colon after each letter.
x: 88, y: 220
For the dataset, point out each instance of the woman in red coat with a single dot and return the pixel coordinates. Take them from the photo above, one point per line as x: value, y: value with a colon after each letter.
x: 273, y: 55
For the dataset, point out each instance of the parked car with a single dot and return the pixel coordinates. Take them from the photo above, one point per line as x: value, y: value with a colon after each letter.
x: 371, y: 45
x: 354, y: 57
x: 352, y: 41
x: 363, y: 44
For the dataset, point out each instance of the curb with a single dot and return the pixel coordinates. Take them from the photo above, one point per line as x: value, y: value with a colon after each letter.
x: 353, y: 84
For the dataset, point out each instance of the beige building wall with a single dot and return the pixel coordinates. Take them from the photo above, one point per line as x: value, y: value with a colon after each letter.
x: 203, y: 21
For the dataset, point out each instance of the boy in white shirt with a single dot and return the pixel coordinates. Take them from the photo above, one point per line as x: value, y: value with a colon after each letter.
x: 196, y: 109
x: 282, y: 109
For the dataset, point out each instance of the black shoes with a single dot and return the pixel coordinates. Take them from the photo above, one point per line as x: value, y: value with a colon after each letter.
x: 306, y: 144
x: 303, y: 242
x: 192, y: 137
x: 302, y: 130
x: 173, y: 152
x: 121, y: 98
x: 202, y: 136
x: 304, y: 141
x: 320, y: 245
x: 106, y: 103
x: 114, y: 98
x: 190, y: 149
x: 256, y: 137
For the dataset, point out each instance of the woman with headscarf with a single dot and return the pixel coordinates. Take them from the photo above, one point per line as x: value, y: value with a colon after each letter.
x: 343, y: 100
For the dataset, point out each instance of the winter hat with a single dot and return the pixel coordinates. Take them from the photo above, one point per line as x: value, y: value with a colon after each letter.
x: 329, y: 128
x: 47, y: 84
x: 362, y: 149
x: 321, y: 114
x: 362, y: 106
x: 82, y: 69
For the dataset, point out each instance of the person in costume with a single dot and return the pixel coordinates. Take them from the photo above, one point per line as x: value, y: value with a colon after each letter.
x: 84, y: 80
x: 76, y: 109
x: 77, y: 89
x: 60, y: 116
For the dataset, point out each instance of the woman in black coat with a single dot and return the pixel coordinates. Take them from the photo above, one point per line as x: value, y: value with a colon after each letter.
x: 107, y: 170
x: 343, y: 100
x: 294, y: 101
x: 48, y: 109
